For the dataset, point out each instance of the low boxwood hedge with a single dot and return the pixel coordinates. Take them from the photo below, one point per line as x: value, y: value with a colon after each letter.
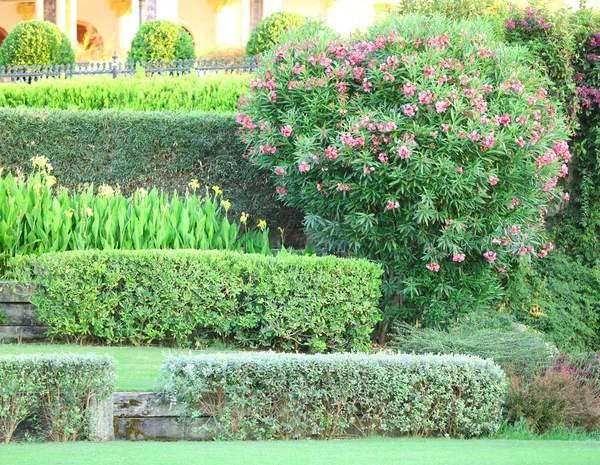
x: 142, y: 149
x: 181, y: 297
x: 286, y: 396
x: 54, y: 392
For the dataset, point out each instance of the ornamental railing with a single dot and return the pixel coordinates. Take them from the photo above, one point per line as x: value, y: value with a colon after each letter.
x: 117, y: 68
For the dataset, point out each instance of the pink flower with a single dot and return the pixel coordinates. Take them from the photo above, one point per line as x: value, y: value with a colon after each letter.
x: 319, y: 187
x: 433, y: 266
x: 369, y: 170
x: 501, y: 269
x: 514, y: 203
x: 441, y: 107
x: 459, y: 170
x: 331, y: 153
x: 404, y: 152
x: 488, y: 141
x: 520, y: 142
x: 409, y: 89
x: 281, y: 190
x: 303, y: 167
x: 514, y: 229
x: 563, y: 171
x: 445, y: 127
x: 383, y: 158
x: 490, y: 256
x: 287, y: 130
x: 392, y: 204
x: 493, y: 180
x: 342, y: 187
x: 542, y: 94
x: 496, y: 240
x: 279, y: 170
x: 390, y: 126
x: 409, y: 109
x: 426, y: 96
x: 552, y: 184
x: 566, y: 196
x: 458, y: 257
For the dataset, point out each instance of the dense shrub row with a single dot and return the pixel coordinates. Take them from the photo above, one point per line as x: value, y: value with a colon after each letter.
x: 38, y: 217
x: 53, y: 392
x: 175, y: 93
x: 179, y: 297
x: 267, y: 395
x: 140, y: 149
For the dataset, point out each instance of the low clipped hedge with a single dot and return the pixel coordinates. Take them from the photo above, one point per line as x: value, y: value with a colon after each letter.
x: 287, y: 396
x: 175, y: 93
x: 179, y: 297
x: 53, y: 392
x: 141, y: 149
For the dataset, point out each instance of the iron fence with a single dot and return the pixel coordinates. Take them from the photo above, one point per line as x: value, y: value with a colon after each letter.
x: 117, y: 68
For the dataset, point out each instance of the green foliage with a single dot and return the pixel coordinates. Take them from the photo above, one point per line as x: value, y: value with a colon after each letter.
x: 36, y: 217
x: 450, y: 8
x: 2, y: 317
x: 546, y: 34
x: 36, y: 43
x: 560, y: 297
x: 58, y: 388
x: 267, y: 395
x: 425, y: 155
x: 268, y: 32
x: 176, y: 297
x: 486, y: 335
x: 161, y: 40
x: 141, y: 149
x: 174, y: 93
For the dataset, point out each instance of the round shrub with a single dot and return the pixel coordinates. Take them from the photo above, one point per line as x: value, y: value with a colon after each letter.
x: 36, y: 43
x: 268, y: 32
x: 161, y: 40
x: 435, y: 153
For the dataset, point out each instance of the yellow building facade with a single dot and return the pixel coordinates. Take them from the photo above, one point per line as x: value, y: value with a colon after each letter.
x: 211, y: 23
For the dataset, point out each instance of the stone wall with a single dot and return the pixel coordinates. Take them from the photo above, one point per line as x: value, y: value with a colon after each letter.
x: 21, y: 324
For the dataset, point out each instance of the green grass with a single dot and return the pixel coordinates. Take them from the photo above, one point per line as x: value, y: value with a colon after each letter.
x: 403, y: 451
x: 138, y: 366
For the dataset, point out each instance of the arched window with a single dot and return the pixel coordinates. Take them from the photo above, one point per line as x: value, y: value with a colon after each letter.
x: 188, y: 29
x: 89, y: 38
x: 3, y: 35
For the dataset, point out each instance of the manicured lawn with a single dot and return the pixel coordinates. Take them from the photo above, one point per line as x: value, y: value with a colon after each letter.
x: 138, y: 366
x: 361, y: 451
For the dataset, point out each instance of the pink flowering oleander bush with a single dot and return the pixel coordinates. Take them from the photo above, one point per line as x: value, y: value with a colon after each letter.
x: 435, y: 152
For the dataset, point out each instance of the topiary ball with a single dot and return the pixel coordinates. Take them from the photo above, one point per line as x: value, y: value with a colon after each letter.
x: 36, y: 43
x: 269, y: 30
x: 161, y: 40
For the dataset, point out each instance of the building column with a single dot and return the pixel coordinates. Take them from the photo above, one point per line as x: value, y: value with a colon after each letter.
x: 39, y: 10
x: 245, y: 21
x: 128, y: 25
x: 167, y: 9
x: 61, y: 15
x: 150, y: 10
x: 225, y: 32
x: 272, y: 6
x: 73, y: 22
x: 50, y: 11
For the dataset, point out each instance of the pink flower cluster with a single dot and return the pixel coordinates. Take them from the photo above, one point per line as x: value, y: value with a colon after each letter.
x: 458, y: 257
x: 280, y: 171
x: 490, y: 256
x: 433, y: 266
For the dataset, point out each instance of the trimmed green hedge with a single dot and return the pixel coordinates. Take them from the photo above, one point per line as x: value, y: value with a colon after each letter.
x: 179, y: 93
x: 141, y: 149
x: 54, y: 391
x: 181, y: 296
x: 286, y: 396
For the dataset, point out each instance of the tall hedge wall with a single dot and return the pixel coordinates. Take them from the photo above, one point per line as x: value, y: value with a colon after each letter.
x: 141, y: 149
